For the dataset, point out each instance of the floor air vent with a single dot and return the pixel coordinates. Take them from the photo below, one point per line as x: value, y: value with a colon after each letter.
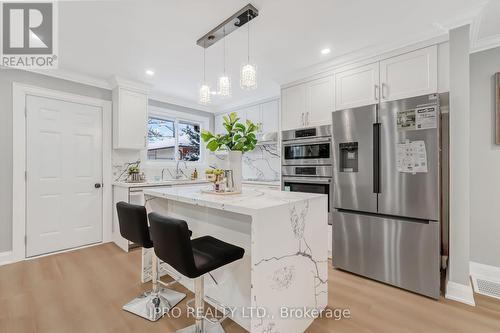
x: 485, y: 287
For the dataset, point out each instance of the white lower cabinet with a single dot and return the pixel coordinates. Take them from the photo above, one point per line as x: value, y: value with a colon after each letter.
x: 131, y: 195
x: 330, y: 241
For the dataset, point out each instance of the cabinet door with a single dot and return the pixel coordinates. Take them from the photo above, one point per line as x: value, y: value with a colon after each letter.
x: 131, y: 116
x: 409, y: 75
x: 218, y: 127
x: 319, y: 97
x: 293, y: 109
x: 241, y: 113
x: 270, y: 116
x: 357, y: 87
x: 253, y: 113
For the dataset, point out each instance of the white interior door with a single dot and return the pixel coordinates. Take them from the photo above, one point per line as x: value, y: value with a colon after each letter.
x: 64, y: 162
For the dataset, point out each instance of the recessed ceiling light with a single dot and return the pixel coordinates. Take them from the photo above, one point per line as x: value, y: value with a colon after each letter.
x: 150, y: 72
x: 325, y: 51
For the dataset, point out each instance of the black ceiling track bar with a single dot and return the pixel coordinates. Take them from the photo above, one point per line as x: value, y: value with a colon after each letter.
x: 237, y: 20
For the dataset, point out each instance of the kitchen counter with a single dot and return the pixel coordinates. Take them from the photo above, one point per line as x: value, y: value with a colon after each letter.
x: 252, y: 200
x: 285, y: 238
x: 151, y: 183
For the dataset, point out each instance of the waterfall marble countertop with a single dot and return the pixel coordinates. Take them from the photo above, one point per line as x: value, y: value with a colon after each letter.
x: 152, y: 183
x: 285, y: 238
x: 250, y: 202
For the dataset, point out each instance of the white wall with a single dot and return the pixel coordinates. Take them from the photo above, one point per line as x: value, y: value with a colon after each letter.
x: 459, y: 156
x: 485, y: 160
x: 7, y: 77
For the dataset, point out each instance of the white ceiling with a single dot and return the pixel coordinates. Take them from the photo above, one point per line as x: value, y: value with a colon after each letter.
x: 105, y: 38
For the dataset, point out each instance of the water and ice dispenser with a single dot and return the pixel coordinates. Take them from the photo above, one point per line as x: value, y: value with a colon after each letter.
x: 348, y: 159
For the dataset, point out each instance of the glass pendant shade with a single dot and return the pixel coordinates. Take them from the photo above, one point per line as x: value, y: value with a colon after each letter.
x: 205, y: 95
x: 248, y: 77
x: 224, y: 86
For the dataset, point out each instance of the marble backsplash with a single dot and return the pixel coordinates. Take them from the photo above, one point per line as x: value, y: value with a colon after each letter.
x: 262, y: 164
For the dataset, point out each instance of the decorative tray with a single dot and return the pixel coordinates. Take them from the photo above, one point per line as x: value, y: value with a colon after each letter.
x: 219, y: 193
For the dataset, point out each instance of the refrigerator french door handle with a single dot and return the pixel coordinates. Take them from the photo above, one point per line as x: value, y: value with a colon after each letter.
x: 376, y: 158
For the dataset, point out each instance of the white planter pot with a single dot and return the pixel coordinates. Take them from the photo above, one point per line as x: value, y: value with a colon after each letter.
x: 235, y: 164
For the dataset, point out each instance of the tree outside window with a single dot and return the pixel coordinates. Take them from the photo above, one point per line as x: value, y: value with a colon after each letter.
x: 166, y: 136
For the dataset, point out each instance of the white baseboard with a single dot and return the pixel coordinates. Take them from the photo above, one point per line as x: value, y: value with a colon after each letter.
x: 5, y: 258
x: 487, y: 272
x: 485, y: 279
x: 460, y: 292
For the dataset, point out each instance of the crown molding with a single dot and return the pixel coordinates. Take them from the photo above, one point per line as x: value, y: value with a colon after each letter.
x: 72, y: 76
x: 238, y: 106
x: 482, y: 44
x: 363, y: 56
x: 247, y: 102
x: 118, y: 81
x: 162, y: 97
x: 486, y: 44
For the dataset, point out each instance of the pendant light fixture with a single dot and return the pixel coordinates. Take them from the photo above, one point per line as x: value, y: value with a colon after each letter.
x: 224, y: 82
x: 205, y: 96
x: 248, y: 76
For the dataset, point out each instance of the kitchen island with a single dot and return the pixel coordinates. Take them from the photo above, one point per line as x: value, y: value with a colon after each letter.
x: 284, y: 235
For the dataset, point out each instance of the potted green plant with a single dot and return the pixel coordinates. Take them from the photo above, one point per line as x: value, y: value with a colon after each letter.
x: 239, y: 138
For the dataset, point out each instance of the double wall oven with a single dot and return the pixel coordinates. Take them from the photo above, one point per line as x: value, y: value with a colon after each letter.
x: 307, y: 162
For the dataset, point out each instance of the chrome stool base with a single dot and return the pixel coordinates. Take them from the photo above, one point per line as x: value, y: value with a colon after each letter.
x: 152, y: 306
x: 208, y: 327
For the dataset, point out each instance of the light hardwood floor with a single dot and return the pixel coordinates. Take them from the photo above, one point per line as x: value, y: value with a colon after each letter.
x: 84, y: 290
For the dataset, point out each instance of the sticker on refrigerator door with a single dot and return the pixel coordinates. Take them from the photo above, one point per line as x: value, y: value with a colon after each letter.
x: 406, y: 120
x: 411, y: 157
x: 426, y: 118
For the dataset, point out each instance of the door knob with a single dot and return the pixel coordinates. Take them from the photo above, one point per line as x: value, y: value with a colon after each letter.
x: 97, y: 185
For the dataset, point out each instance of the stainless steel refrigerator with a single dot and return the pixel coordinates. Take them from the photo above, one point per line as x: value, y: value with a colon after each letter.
x: 387, y: 200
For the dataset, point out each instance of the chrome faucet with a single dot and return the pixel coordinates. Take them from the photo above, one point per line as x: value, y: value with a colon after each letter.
x: 178, y: 172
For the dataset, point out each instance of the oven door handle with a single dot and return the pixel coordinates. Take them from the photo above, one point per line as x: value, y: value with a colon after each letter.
x: 307, y: 140
x: 307, y: 180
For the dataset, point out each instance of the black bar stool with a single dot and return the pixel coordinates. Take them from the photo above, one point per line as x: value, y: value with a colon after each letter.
x: 192, y: 258
x: 152, y: 304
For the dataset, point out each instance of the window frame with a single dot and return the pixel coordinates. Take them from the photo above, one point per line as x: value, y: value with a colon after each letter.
x: 177, y: 117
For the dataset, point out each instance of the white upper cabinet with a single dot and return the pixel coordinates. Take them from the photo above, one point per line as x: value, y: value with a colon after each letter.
x: 130, y: 117
x: 293, y: 107
x: 270, y: 116
x: 357, y: 87
x: 307, y: 104
x: 266, y: 114
x: 219, y: 127
x: 319, y: 101
x: 410, y: 74
x: 252, y: 113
